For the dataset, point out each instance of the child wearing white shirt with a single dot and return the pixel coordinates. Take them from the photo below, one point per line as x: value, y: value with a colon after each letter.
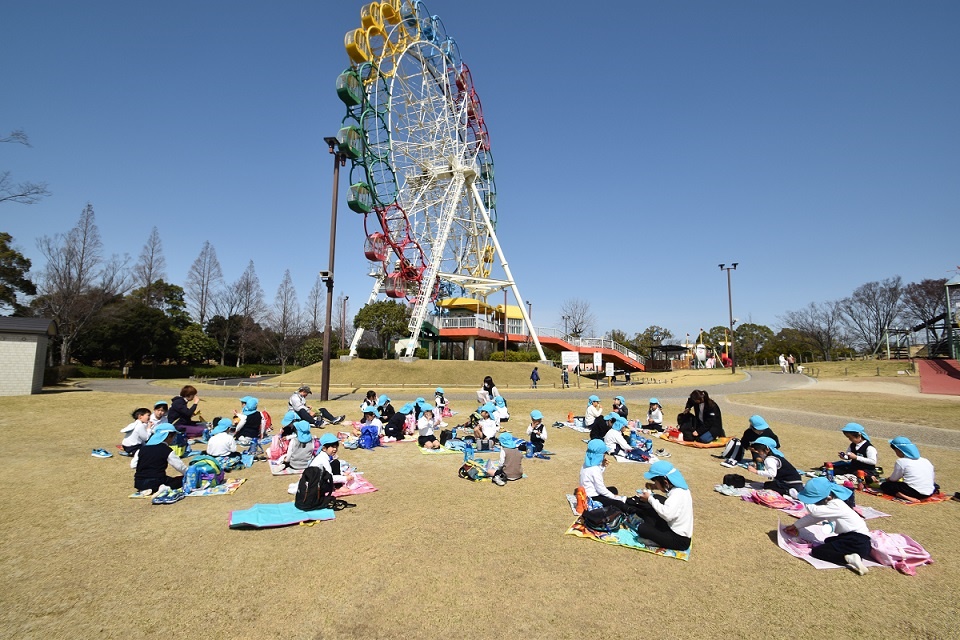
x: 825, y: 503
x: 425, y: 426
x: 138, y: 431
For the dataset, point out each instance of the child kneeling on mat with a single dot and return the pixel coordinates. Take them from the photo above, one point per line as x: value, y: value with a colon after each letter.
x: 825, y: 502
x: 912, y: 477
x: 667, y: 521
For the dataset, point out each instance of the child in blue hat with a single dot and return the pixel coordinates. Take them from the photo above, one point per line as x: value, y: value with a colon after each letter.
x: 501, y: 414
x: 394, y: 427
x: 249, y: 420
x: 154, y: 457
x: 440, y: 402
x: 913, y: 477
x: 327, y: 459
x: 780, y: 475
x: 825, y: 503
x: 757, y: 427
x: 221, y: 442
x: 511, y: 460
x: 591, y: 477
x: 385, y: 409
x: 487, y: 427
x: 655, y: 415
x: 620, y: 407
x: 861, y: 455
x: 426, y: 425
x: 301, y: 448
x: 667, y: 521
x: 536, y: 434
x: 593, y: 413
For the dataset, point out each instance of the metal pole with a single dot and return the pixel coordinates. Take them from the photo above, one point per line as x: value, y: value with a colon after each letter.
x: 343, y: 323
x: 732, y: 267
x: 504, y: 325
x: 338, y: 159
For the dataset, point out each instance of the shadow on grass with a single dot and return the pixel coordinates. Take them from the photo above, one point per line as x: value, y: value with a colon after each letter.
x: 62, y: 389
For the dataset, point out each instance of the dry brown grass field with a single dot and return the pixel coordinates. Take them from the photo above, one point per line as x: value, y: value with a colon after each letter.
x: 429, y: 555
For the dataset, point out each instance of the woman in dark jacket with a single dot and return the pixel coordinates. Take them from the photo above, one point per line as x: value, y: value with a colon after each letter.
x: 704, y: 423
x: 181, y: 415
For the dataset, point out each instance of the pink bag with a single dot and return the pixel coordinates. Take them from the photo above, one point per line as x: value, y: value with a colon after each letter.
x: 896, y: 550
x: 278, y: 447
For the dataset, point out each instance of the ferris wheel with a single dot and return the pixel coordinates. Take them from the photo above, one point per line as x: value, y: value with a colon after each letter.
x: 422, y: 171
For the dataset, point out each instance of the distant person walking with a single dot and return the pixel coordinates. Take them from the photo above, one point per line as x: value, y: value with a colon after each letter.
x: 564, y: 378
x: 792, y: 363
x: 783, y: 363
x: 534, y: 378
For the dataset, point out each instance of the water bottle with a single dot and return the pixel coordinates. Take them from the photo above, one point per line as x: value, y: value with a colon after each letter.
x: 467, y: 452
x: 633, y: 439
x: 530, y: 449
x: 828, y: 470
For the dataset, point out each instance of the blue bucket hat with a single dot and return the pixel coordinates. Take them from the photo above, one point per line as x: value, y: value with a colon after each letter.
x: 622, y: 401
x: 654, y: 401
x: 328, y: 439
x: 612, y: 416
x: 904, y: 446
x: 407, y: 408
x: 769, y: 443
x: 536, y: 415
x: 161, y: 432
x: 592, y: 399
x: 488, y: 407
x: 161, y: 403
x: 499, y: 401
x: 289, y: 418
x: 819, y: 488
x: 507, y: 441
x: 222, y: 425
x: 249, y: 405
x: 439, y: 391
x: 382, y: 400
x: 595, y: 452
x: 369, y: 409
x: 757, y: 423
x: 620, y: 423
x: 664, y: 469
x: 425, y: 406
x: 303, y: 431
x: 853, y: 427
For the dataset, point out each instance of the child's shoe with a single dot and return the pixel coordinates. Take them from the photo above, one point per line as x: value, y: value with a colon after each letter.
x: 855, y: 564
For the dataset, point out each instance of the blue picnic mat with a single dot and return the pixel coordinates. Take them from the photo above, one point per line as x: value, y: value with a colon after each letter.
x: 262, y: 516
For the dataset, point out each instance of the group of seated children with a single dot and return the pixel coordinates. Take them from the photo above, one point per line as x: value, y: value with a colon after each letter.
x: 665, y: 520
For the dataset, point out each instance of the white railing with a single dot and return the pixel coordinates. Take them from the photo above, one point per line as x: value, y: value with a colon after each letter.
x: 476, y: 322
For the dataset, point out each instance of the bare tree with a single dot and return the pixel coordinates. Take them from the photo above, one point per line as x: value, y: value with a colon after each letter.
x: 923, y: 301
x: 251, y: 307
x: 578, y: 319
x: 820, y: 324
x: 285, y: 321
x: 22, y: 192
x: 150, y: 267
x: 316, y: 307
x: 871, y: 309
x: 204, y: 281
x: 76, y: 281
x: 226, y: 304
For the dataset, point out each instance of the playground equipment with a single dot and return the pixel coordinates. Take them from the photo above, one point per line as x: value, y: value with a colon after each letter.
x: 422, y: 172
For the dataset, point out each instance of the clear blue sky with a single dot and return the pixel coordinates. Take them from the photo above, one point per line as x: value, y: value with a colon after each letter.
x: 637, y: 144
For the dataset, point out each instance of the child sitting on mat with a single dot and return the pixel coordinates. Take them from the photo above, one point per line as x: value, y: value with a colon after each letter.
x: 327, y: 459
x: 620, y: 407
x: 655, y: 415
x: 385, y: 409
x: 249, y: 420
x: 536, y: 433
x: 594, y: 413
x: 152, y: 461
x: 825, y: 502
x: 591, y: 477
x: 912, y: 477
x: 159, y: 415
x: 221, y: 442
x: 138, y: 431
x: 667, y: 521
x: 860, y: 456
x: 511, y: 460
x: 780, y: 475
x: 441, y: 403
x: 487, y: 427
x: 394, y: 426
x: 425, y: 427
x: 757, y: 427
x: 369, y: 419
x: 616, y: 438
x: 369, y: 400
x: 501, y: 414
x: 300, y: 451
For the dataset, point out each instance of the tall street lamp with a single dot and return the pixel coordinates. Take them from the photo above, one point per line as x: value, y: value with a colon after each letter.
x: 343, y: 323
x: 339, y: 160
x: 732, y: 267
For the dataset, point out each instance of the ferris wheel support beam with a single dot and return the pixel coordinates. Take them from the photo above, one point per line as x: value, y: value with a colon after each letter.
x: 358, y: 332
x: 419, y: 313
x: 506, y: 270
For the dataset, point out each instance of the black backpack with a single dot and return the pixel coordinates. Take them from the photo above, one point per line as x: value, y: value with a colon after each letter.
x: 604, y: 519
x: 315, y: 490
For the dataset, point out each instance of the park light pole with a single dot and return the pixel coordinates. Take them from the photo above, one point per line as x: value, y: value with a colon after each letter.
x: 565, y: 318
x: 339, y: 160
x: 732, y: 267
x: 343, y: 322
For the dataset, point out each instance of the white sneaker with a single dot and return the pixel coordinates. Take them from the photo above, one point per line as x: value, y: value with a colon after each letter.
x: 729, y: 464
x: 855, y: 564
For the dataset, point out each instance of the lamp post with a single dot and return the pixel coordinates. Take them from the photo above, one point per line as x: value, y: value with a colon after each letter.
x: 343, y: 322
x: 565, y: 318
x: 732, y: 267
x: 339, y: 159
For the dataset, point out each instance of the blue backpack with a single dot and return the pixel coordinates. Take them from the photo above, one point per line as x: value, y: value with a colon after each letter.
x: 369, y: 437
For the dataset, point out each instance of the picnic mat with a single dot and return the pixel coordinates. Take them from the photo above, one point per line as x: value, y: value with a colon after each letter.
x: 263, y: 516
x: 934, y: 499
x: 279, y: 469
x: 800, y: 547
x: 715, y: 444
x: 790, y: 506
x: 229, y: 486
x: 357, y: 485
x: 442, y: 451
x: 625, y: 538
